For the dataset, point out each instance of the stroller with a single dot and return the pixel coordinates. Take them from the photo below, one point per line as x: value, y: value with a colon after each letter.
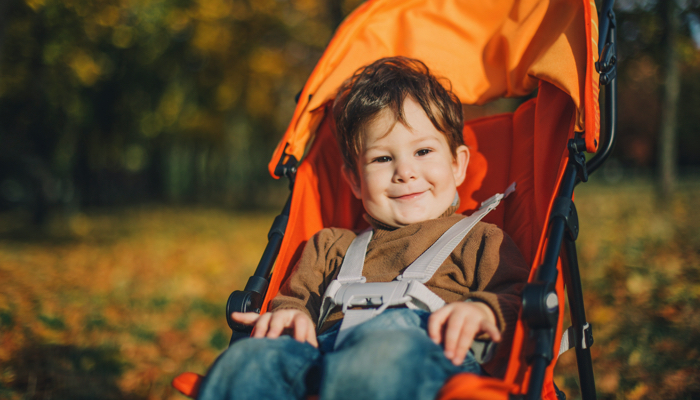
x: 488, y: 50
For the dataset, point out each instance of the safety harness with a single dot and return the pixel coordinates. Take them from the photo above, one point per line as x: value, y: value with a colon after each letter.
x: 350, y: 289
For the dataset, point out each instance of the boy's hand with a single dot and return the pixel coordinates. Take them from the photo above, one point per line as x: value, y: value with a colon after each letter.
x: 273, y: 324
x: 457, y: 324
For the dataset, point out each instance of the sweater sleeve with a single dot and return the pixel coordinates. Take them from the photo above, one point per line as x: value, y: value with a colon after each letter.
x: 499, y: 276
x: 317, y: 267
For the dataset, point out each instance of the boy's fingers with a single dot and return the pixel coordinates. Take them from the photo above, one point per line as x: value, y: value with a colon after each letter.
x: 466, y: 338
x: 300, y: 329
x: 304, y: 330
x: 492, y: 330
x: 261, y: 326
x: 435, y: 324
x: 311, y: 337
x: 278, y: 322
x: 453, y: 333
x: 248, y: 318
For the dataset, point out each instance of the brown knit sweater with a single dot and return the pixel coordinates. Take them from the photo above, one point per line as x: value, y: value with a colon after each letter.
x: 486, y: 266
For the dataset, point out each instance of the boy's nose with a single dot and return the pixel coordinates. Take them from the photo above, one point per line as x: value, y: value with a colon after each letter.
x: 404, y: 172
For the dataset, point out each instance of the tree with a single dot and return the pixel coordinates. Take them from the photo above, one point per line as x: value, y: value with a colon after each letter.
x: 668, y: 141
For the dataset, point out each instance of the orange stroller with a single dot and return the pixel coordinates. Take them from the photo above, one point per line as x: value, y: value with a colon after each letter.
x: 487, y: 49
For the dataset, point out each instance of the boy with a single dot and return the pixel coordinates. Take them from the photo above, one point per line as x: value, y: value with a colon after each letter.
x: 400, y: 133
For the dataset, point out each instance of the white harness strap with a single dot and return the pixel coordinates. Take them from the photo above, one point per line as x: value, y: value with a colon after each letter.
x: 354, y: 261
x: 351, y: 290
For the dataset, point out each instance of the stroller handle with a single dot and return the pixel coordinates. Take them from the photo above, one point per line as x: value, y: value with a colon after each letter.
x: 607, y: 67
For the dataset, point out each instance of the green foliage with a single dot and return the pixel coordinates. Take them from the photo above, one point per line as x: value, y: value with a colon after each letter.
x: 55, y: 323
x: 192, y: 94
x: 65, y: 372
x: 641, y: 53
x: 219, y: 340
x: 6, y: 320
x: 110, y: 102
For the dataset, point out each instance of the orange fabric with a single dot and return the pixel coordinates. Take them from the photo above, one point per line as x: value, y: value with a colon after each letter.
x: 553, y: 114
x: 592, y: 88
x: 187, y: 383
x: 488, y: 49
x: 473, y: 387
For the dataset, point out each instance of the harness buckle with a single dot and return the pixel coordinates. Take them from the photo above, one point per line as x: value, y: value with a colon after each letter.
x: 363, y: 301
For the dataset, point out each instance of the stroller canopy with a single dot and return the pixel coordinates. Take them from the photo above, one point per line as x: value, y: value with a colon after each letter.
x: 487, y: 49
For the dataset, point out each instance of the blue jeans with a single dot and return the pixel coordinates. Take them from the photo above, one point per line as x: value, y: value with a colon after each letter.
x: 387, y: 357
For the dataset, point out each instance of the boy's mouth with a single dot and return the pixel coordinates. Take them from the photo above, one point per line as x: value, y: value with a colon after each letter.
x: 409, y: 196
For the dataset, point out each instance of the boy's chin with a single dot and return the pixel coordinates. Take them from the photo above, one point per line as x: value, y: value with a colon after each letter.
x: 398, y: 217
x: 405, y: 220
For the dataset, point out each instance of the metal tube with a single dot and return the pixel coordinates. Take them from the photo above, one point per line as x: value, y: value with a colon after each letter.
x: 548, y: 270
x: 578, y: 320
x: 608, y: 143
x: 548, y: 273
x: 607, y: 36
x: 604, y: 21
x: 539, y: 366
x: 267, y: 261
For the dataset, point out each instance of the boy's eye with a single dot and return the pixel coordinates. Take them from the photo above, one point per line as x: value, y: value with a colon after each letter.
x: 423, y: 152
x: 382, y: 159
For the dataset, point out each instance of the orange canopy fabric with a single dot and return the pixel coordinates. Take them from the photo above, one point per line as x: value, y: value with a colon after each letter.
x: 487, y: 49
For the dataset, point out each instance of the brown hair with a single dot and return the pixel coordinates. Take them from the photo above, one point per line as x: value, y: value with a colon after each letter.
x: 385, y: 84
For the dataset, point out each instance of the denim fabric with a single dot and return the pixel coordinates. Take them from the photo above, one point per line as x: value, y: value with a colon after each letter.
x: 387, y: 357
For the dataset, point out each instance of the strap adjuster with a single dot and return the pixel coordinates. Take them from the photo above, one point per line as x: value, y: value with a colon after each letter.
x: 586, y: 336
x: 570, y: 339
x: 408, y: 275
x: 496, y: 198
x: 345, y: 281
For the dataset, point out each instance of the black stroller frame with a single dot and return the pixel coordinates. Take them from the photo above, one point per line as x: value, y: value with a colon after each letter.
x: 539, y: 311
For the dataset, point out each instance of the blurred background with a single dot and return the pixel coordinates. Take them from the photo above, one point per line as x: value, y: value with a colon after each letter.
x: 134, y: 192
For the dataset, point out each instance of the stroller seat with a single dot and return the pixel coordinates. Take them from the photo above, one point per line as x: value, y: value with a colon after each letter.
x: 487, y: 50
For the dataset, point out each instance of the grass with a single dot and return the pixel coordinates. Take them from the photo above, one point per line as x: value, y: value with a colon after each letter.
x: 114, y: 304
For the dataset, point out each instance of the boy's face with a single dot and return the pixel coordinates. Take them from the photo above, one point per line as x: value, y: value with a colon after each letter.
x: 406, y: 175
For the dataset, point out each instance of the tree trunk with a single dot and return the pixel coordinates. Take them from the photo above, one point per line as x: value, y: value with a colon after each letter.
x: 335, y: 12
x: 4, y: 9
x: 667, y: 156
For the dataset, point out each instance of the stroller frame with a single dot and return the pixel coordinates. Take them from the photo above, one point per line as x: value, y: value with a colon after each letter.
x: 563, y: 228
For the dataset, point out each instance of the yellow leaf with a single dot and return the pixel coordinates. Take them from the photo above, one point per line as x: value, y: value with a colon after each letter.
x: 85, y: 67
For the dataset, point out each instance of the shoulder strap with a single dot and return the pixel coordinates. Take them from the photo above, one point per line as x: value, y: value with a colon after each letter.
x: 354, y: 260
x: 423, y: 268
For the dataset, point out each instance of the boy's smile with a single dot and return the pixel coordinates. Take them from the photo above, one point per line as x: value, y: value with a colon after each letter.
x: 406, y: 173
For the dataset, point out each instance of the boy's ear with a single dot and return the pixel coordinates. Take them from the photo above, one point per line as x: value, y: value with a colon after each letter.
x: 460, y: 163
x: 353, y: 180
